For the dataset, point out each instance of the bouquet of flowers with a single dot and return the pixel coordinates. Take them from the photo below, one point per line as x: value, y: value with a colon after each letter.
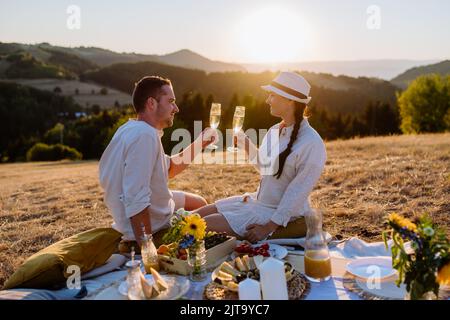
x: 182, y: 224
x: 185, y: 231
x: 428, y: 264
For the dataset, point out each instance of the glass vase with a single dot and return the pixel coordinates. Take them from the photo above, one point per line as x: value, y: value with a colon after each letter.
x: 197, y: 261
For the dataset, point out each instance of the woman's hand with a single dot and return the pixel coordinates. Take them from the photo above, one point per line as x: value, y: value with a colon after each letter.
x: 208, y: 136
x: 243, y: 142
x: 257, y: 232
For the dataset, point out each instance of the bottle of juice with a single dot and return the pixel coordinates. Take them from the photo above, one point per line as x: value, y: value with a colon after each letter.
x: 148, y: 251
x: 317, y: 256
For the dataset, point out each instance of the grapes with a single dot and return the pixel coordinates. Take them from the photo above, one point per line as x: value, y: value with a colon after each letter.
x: 214, y: 239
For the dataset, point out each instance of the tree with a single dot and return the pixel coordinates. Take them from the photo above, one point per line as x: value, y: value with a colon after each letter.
x: 380, y: 119
x: 424, y: 104
x: 44, y: 152
x: 55, y: 134
x: 228, y: 113
x: 208, y: 102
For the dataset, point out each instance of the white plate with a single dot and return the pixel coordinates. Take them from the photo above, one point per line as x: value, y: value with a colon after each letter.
x: 371, y: 268
x: 275, y: 251
x: 178, y: 286
x: 385, y: 289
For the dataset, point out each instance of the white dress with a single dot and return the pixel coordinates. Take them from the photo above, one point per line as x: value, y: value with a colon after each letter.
x: 284, y: 199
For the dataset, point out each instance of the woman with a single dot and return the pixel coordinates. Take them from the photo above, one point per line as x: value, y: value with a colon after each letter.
x: 296, y: 155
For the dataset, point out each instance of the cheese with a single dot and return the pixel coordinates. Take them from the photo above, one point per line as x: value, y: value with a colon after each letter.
x: 161, y: 283
x: 226, y: 267
x: 147, y: 288
x: 240, y: 266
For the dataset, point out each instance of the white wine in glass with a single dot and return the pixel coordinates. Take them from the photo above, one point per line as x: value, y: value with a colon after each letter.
x: 214, y: 120
x: 238, y: 122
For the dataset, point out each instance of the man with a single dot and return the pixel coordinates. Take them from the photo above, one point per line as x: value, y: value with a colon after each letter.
x: 134, y: 170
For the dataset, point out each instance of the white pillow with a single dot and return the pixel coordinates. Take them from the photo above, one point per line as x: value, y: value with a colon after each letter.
x: 114, y: 262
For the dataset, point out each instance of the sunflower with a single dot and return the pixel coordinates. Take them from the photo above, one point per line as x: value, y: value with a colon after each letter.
x: 402, y: 222
x: 443, y: 276
x: 194, y: 225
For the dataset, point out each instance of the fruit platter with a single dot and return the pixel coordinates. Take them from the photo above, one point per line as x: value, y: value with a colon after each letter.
x: 264, y: 249
x: 173, y: 256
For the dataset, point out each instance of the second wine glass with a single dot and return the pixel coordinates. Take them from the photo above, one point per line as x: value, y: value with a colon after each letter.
x: 238, y: 122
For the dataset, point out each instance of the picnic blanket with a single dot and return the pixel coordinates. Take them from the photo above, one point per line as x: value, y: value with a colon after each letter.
x: 113, y: 272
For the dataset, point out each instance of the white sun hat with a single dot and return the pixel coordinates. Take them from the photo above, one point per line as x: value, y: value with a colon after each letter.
x: 291, y: 86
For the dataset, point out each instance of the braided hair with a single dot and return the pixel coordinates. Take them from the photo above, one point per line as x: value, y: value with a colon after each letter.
x: 300, y: 110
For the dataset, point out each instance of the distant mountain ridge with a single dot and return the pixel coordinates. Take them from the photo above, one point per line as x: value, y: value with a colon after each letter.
x: 384, y: 68
x: 402, y: 80
x: 85, y: 58
x: 103, y: 57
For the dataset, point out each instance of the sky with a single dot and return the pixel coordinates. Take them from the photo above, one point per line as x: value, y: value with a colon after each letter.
x: 244, y: 31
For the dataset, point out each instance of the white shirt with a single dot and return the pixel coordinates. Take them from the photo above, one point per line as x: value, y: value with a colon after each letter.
x: 284, y: 199
x: 133, y: 172
x: 303, y: 167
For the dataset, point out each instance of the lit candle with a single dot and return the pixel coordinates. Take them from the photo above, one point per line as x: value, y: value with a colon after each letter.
x: 273, y: 280
x: 249, y: 289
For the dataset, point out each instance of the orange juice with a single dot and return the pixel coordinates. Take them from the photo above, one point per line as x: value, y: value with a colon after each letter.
x: 317, y: 265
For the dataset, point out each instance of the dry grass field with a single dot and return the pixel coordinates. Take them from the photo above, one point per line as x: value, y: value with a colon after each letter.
x: 364, y: 179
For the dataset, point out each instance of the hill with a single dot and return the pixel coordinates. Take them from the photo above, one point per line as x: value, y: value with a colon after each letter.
x: 83, y: 58
x: 402, y: 80
x: 364, y: 180
x: 383, y: 69
x: 84, y: 93
x: 27, y: 113
x: 336, y: 94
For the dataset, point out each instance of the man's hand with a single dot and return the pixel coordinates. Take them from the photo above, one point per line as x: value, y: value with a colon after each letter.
x: 182, y: 160
x: 257, y: 232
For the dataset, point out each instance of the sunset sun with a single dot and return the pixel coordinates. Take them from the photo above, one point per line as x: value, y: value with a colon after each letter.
x: 272, y: 35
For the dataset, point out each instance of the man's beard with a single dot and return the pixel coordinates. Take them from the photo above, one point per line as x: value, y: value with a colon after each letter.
x: 169, y: 122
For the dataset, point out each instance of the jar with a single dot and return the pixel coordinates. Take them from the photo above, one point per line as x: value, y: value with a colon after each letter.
x: 196, y: 258
x: 317, y: 256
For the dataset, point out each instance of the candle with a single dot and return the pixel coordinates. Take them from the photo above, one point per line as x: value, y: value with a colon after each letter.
x: 249, y: 289
x: 273, y: 280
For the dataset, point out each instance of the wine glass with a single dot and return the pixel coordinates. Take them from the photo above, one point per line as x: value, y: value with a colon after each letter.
x: 214, y: 120
x: 238, y: 122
